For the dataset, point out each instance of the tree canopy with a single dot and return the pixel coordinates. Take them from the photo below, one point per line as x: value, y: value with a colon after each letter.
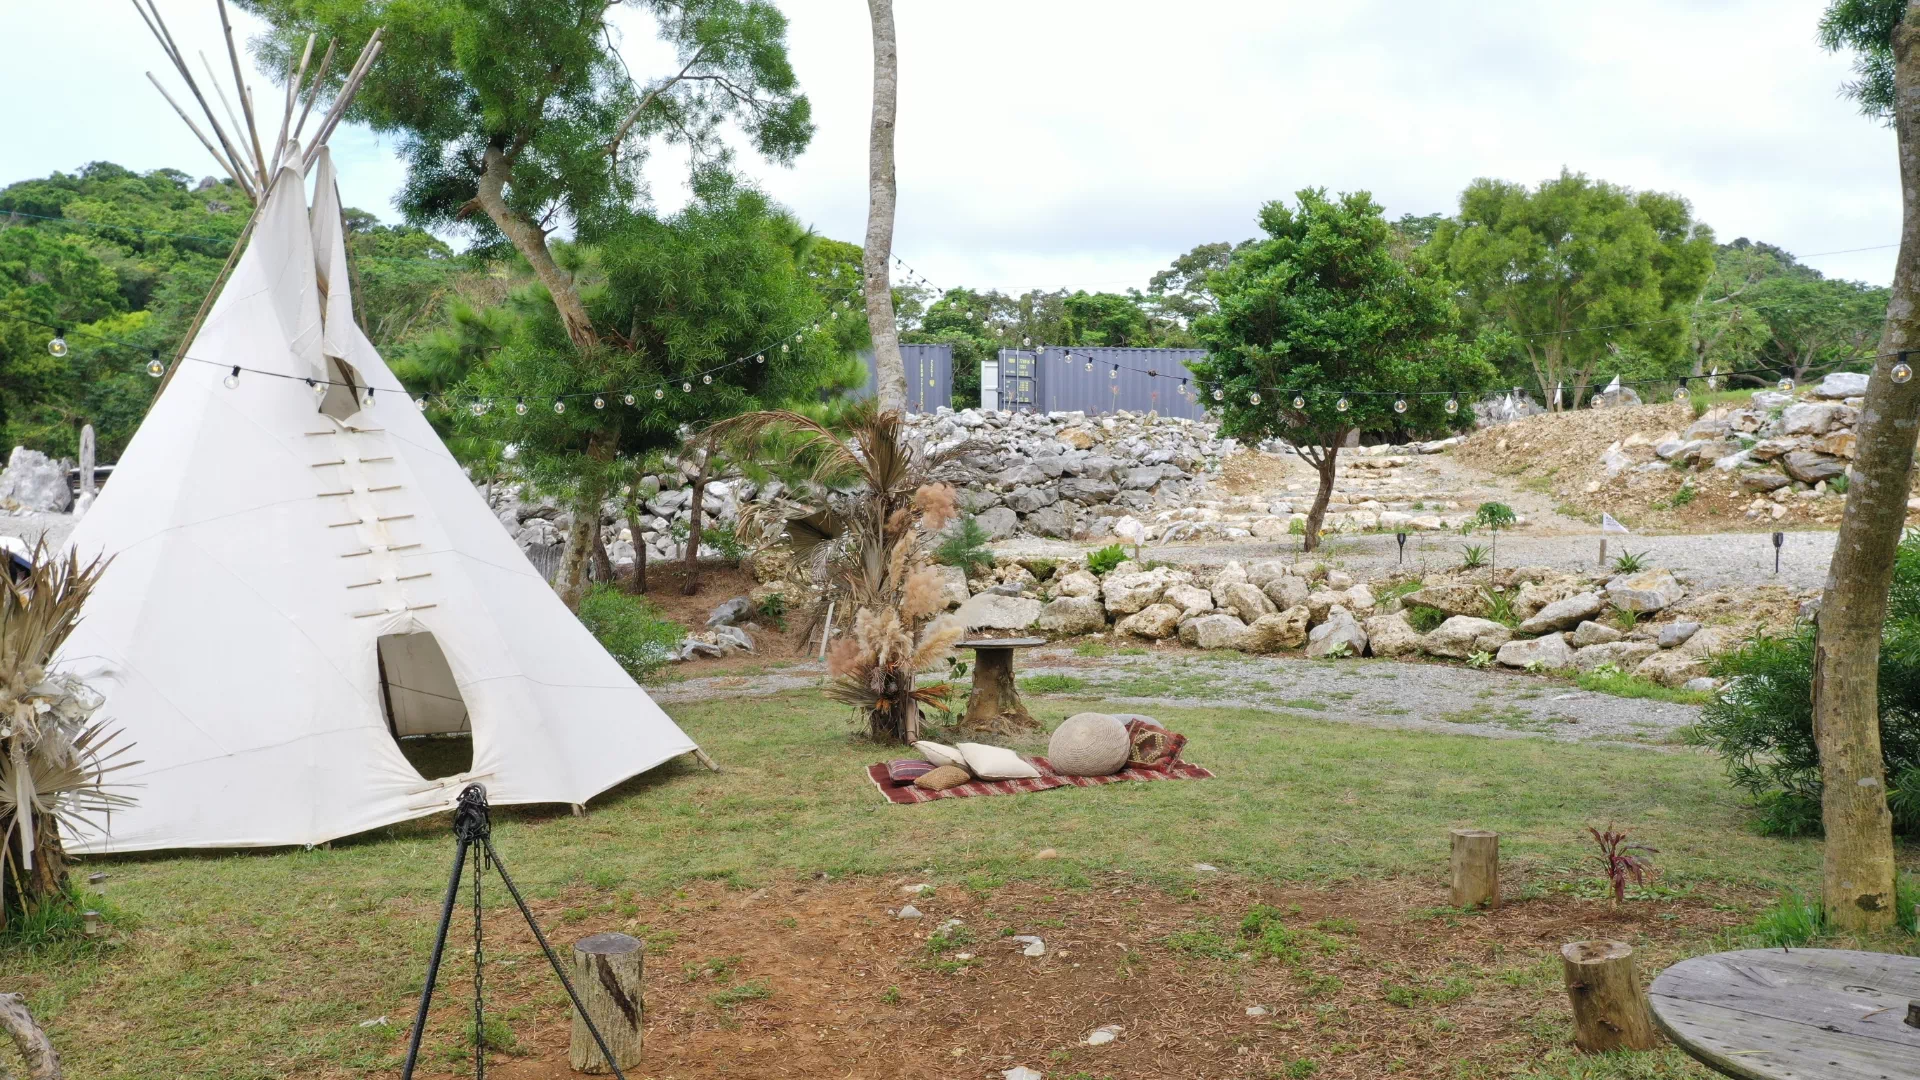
x: 1581, y: 273
x: 1321, y: 326
x: 1865, y: 27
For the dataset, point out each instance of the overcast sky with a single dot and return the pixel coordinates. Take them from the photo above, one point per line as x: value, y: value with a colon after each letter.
x: 1085, y: 143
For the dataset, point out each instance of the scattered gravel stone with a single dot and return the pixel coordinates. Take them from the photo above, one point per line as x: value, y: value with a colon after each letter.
x: 909, y: 912
x: 1101, y: 1036
x: 1034, y: 946
x: 1257, y: 1010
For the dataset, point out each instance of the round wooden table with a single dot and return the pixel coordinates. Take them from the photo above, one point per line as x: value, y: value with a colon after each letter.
x: 995, y: 703
x: 1794, y: 1014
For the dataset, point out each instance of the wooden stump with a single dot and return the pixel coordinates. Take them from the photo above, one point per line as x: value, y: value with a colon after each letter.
x: 995, y: 705
x: 1475, y: 862
x: 1609, y: 1007
x: 607, y: 971
x: 42, y: 1063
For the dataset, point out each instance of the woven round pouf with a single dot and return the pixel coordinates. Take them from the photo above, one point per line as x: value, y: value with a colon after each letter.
x: 1088, y: 744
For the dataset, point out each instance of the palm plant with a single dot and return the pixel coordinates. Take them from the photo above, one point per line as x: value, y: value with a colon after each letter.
x: 53, y: 754
x: 864, y: 539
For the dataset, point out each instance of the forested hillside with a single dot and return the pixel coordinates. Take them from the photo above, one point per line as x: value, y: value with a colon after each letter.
x: 121, y: 262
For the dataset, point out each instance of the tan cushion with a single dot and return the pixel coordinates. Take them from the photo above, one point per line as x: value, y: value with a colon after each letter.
x: 939, y: 753
x: 942, y: 778
x: 995, y: 762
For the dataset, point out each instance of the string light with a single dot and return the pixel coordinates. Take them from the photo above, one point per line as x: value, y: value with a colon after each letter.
x: 783, y: 346
x: 1181, y: 389
x: 154, y: 367
x: 1900, y: 371
x: 58, y: 346
x: 706, y: 380
x: 1341, y: 404
x: 1400, y: 405
x: 478, y: 408
x: 659, y: 393
x: 1253, y: 398
x: 686, y: 388
x: 1115, y: 373
x: 760, y: 358
x: 420, y: 403
x: 1680, y: 394
x: 1786, y: 384
x: 1299, y: 400
x: 599, y: 402
x: 520, y: 407
x: 1453, y: 404
x: 1219, y: 394
x: 319, y: 389
x: 628, y: 399
x: 1089, y: 363
x: 1025, y: 342
x: 232, y: 380
x: 559, y: 406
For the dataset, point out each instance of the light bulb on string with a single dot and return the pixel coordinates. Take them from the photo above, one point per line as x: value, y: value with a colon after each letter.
x: 1341, y: 404
x: 659, y: 393
x: 154, y: 367
x: 478, y: 408
x: 783, y: 346
x: 369, y: 398
x: 599, y: 402
x: 1299, y: 401
x: 1453, y: 405
x: 1786, y: 384
x: 686, y: 388
x: 1901, y: 372
x: 1089, y: 363
x: 1253, y: 398
x: 58, y: 346
x: 559, y: 406
x: 706, y: 380
x: 1219, y: 394
x: 760, y: 358
x: 1115, y: 373
x: 233, y: 378
x: 1400, y: 405
x: 520, y: 406
x: 799, y: 337
x: 627, y: 399
x: 1181, y: 389
x: 1680, y: 393
x: 420, y: 403
x: 1025, y: 341
x: 319, y: 389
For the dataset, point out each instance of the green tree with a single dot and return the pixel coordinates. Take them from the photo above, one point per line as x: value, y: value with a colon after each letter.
x: 1179, y: 293
x: 1104, y: 319
x: 1580, y: 272
x: 1324, y: 313
x: 1816, y: 323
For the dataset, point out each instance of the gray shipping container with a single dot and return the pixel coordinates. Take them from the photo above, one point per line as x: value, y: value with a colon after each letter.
x: 1056, y: 378
x: 929, y: 376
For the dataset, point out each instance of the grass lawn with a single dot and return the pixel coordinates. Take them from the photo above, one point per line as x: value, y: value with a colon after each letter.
x: 256, y: 965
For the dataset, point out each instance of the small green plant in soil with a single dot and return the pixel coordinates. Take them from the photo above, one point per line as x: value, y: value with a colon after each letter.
x: 1424, y: 619
x: 1631, y: 562
x: 1500, y: 607
x: 1621, y: 861
x: 757, y: 990
x: 1103, y: 560
x: 1838, y: 484
x: 631, y: 628
x: 965, y: 546
x: 1473, y: 556
x: 724, y: 540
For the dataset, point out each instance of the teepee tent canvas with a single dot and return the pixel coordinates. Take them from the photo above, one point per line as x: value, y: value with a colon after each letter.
x: 301, y: 573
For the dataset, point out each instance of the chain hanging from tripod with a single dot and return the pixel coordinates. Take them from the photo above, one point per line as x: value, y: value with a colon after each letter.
x: 473, y: 828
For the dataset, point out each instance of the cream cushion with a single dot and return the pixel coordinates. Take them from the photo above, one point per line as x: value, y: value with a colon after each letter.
x: 1089, y: 744
x: 940, y: 753
x: 995, y: 762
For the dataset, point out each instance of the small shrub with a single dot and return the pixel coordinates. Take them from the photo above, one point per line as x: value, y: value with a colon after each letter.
x: 1102, y: 561
x: 724, y: 540
x: 1473, y: 556
x: 1682, y: 497
x: 634, y: 631
x: 1620, y: 860
x: 1630, y: 562
x: 1297, y: 527
x: 1838, y: 484
x: 1793, y: 921
x: 1500, y: 607
x: 1041, y: 569
x: 1423, y: 618
x: 891, y: 996
x: 1480, y: 660
x: 773, y: 608
x: 1494, y: 516
x: 965, y: 546
x: 1623, y: 620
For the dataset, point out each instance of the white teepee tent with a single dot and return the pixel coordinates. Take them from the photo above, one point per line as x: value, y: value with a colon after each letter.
x: 301, y: 573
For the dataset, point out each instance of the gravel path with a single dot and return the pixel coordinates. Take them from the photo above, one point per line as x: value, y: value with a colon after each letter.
x: 1372, y: 693
x: 29, y: 526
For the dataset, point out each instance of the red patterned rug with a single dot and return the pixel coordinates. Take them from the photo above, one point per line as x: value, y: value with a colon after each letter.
x: 1046, y: 781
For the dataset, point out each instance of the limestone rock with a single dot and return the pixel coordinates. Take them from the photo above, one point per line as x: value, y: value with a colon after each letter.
x: 1284, y: 630
x: 1811, y: 468
x: 1231, y: 574
x: 990, y: 611
x: 1359, y: 599
x: 1593, y: 633
x: 1842, y: 384
x: 1264, y: 571
x: 1157, y: 621
x: 1322, y: 602
x: 1216, y: 632
x: 1625, y: 655
x: 1069, y: 615
x: 1650, y: 590
x: 1243, y: 600
x: 1286, y: 591
x: 1191, y: 600
x: 953, y: 585
x: 1392, y: 635
x: 1562, y: 614
x: 1706, y: 642
x: 1339, y: 580
x: 999, y: 522
x: 1701, y: 684
x: 1670, y: 668
x: 1078, y: 583
x: 1551, y: 652
x: 1340, y: 635
x: 1454, y: 598
x: 34, y: 481
x: 1809, y: 418
x: 1675, y: 634
x: 1464, y: 635
x: 1128, y: 593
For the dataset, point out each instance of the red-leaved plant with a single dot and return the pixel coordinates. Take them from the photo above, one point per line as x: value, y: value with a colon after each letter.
x: 1620, y: 860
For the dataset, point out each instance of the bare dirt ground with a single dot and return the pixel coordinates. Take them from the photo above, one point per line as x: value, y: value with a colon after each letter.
x: 817, y: 979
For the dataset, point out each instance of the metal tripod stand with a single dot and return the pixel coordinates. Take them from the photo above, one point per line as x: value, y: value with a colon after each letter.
x: 473, y: 826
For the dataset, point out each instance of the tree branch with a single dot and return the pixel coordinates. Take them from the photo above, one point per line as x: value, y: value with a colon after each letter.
x: 626, y: 125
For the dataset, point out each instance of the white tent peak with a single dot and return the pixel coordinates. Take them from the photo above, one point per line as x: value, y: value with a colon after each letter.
x: 297, y: 584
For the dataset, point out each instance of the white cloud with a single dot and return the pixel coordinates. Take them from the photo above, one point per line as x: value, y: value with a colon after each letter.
x: 1056, y: 144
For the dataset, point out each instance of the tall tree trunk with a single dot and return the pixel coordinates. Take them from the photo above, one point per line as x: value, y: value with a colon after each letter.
x: 586, y: 524
x: 891, y: 371
x: 639, y: 551
x: 597, y: 547
x: 1329, y: 458
x: 695, y: 513
x: 1857, y: 883
x: 531, y: 241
